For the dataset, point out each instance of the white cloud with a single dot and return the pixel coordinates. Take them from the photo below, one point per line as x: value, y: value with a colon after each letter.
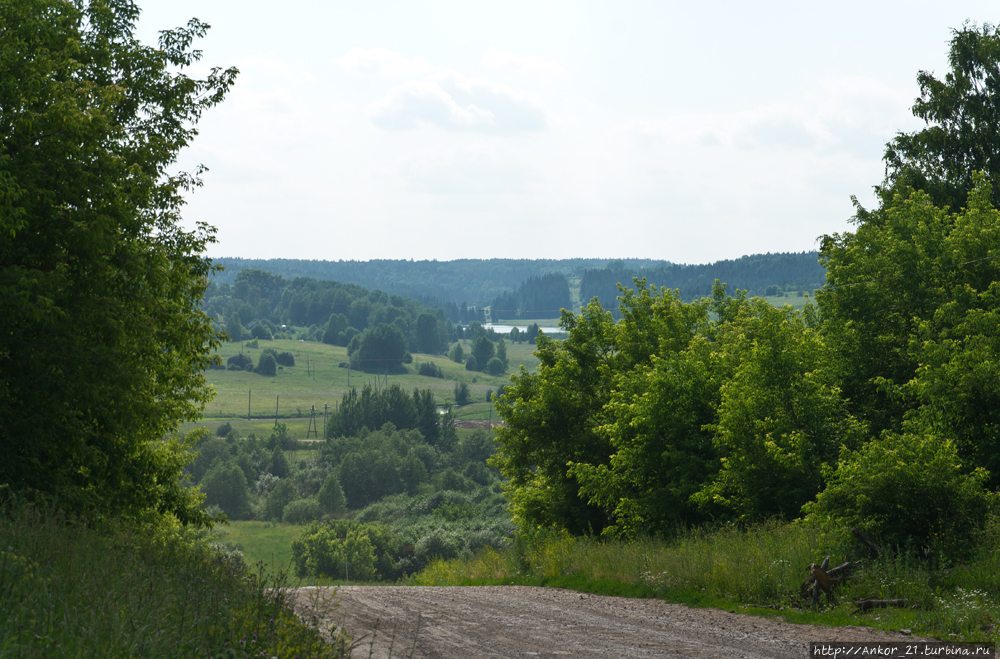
x: 497, y: 59
x: 381, y: 61
x: 476, y: 170
x: 451, y: 101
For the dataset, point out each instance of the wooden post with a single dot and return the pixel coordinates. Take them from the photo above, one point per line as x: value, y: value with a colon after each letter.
x: 249, y: 396
x: 276, y: 398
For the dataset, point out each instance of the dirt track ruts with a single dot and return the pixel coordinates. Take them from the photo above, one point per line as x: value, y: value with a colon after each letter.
x: 520, y: 621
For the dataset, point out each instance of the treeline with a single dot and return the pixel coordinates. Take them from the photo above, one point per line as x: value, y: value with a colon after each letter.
x: 538, y: 297
x: 755, y: 274
x: 259, y: 303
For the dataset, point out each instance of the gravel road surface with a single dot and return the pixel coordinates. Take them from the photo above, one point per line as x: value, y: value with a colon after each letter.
x: 523, y: 621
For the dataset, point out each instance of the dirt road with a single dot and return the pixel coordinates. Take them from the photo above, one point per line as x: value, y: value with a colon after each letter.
x: 521, y: 621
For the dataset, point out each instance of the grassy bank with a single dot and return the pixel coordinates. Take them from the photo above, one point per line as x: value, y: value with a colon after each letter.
x: 759, y: 570
x: 68, y: 591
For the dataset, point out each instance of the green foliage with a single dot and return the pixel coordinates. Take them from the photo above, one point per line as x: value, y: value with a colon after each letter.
x: 283, y: 494
x: 462, y: 393
x: 267, y: 365
x: 482, y: 352
x: 495, y: 367
x: 104, y: 342
x: 922, y: 347
x: 323, y: 548
x: 233, y: 327
x: 278, y: 464
x: 907, y: 490
x: 301, y: 511
x: 71, y: 591
x: 239, y: 362
x: 225, y: 486
x: 963, y: 126
x: 457, y: 354
x: 285, y: 359
x: 781, y: 419
x: 261, y: 332
x: 224, y: 429
x: 430, y: 369
x: 382, y: 349
x: 331, y: 496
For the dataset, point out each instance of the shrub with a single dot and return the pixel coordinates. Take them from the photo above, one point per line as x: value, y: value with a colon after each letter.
x: 261, y: 332
x: 285, y: 359
x: 457, y: 354
x: 906, y: 490
x: 224, y: 429
x: 471, y: 364
x: 430, y: 369
x: 278, y: 465
x: 226, y: 486
x: 267, y: 365
x: 495, y: 367
x: 323, y: 548
x: 252, y: 344
x: 301, y: 511
x: 239, y: 362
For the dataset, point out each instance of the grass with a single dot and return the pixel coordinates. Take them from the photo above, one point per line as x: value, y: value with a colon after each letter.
x: 317, y: 380
x: 757, y: 570
x: 67, y: 590
x: 261, y: 542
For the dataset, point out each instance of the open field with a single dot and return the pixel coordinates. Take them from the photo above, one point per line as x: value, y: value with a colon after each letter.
x: 270, y: 544
x: 317, y: 380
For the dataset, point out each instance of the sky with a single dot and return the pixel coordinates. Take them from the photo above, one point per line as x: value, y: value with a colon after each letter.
x: 438, y: 129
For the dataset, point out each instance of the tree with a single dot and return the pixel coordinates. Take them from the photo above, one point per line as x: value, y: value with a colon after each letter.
x: 225, y: 486
x: 104, y: 341
x: 962, y: 113
x: 381, y: 349
x: 233, y: 327
x: 267, y: 365
x: 331, y: 496
x: 428, y: 336
x: 482, y: 351
x: 457, y: 355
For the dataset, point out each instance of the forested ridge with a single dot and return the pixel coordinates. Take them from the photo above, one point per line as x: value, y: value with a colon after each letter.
x: 480, y: 282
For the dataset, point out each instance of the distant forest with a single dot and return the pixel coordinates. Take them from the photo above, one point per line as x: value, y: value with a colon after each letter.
x: 538, y: 288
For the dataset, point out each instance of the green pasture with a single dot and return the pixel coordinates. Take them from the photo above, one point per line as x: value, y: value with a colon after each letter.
x: 263, y: 542
x: 317, y: 380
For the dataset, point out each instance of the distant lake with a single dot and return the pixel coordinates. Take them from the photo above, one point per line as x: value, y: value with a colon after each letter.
x: 505, y: 329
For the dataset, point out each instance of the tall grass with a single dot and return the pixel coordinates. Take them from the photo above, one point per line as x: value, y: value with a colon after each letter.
x: 68, y: 591
x: 759, y: 568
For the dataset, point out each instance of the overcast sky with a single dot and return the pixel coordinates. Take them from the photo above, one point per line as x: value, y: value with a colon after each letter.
x: 690, y: 132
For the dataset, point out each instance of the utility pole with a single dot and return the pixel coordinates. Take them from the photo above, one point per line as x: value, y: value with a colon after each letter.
x: 324, y: 419
x: 249, y: 397
x: 276, y: 398
x: 312, y: 424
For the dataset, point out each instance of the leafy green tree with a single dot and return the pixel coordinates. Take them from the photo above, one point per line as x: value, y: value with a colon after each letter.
x: 482, y: 351
x: 658, y: 427
x: 324, y: 547
x: 225, y: 486
x: 104, y: 340
x: 495, y: 367
x: 551, y: 418
x: 457, y: 355
x: 335, y: 328
x: 233, y: 327
x: 962, y: 113
x: 781, y: 419
x: 921, y: 346
x: 381, y: 349
x: 283, y: 494
x: 266, y: 365
x: 502, y: 353
x: 428, y: 335
x: 331, y: 496
x: 278, y: 464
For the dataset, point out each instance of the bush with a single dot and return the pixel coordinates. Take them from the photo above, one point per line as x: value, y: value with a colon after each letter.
x: 323, y: 548
x: 906, y: 491
x: 252, y: 344
x: 285, y: 359
x: 226, y: 486
x: 471, y: 364
x: 495, y: 367
x: 457, y: 354
x: 430, y: 369
x: 239, y: 362
x: 267, y: 365
x: 261, y: 332
x: 224, y: 429
x: 301, y: 511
